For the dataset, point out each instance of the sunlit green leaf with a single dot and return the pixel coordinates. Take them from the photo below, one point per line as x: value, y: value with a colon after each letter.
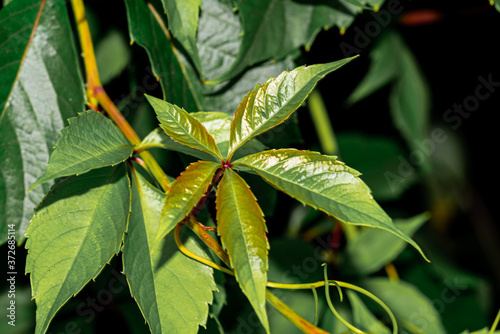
x: 217, y: 124
x: 172, y: 290
x: 183, y: 127
x: 323, y: 183
x: 183, y: 22
x: 413, y: 310
x: 372, y: 249
x: 37, y: 95
x: 273, y: 102
x: 76, y: 230
x: 185, y: 192
x: 90, y: 141
x: 241, y: 225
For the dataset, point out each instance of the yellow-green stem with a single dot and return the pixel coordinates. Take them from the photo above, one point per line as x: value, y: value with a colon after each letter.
x: 322, y: 123
x: 97, y: 95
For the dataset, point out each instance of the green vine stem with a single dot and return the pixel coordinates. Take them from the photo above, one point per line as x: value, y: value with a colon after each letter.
x: 322, y: 123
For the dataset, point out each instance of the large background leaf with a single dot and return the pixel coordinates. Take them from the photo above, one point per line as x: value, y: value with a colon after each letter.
x: 273, y: 29
x: 38, y: 93
x: 77, y: 229
x: 172, y: 290
x: 240, y: 223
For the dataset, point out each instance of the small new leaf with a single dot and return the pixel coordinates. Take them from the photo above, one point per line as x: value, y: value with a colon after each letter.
x: 324, y: 183
x: 185, y: 192
x: 241, y: 226
x: 90, y: 141
x: 183, y: 127
x: 272, y: 103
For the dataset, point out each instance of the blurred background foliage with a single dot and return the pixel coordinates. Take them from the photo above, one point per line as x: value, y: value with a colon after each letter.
x: 391, y: 114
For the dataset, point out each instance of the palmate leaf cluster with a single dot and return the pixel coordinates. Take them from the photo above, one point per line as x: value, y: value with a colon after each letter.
x: 107, y: 205
x: 94, y: 197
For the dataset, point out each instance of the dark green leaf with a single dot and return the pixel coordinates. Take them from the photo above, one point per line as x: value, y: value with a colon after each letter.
x: 172, y: 290
x: 90, y: 141
x: 273, y: 29
x: 241, y: 225
x: 146, y: 31
x: 372, y: 249
x: 363, y: 318
x: 323, y: 183
x: 384, y: 67
x: 37, y: 95
x: 412, y: 309
x: 183, y: 127
x: 273, y: 102
x: 76, y: 230
x: 183, y: 22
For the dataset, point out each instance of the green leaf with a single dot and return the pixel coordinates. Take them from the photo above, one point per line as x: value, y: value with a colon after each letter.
x: 76, y: 230
x: 112, y: 55
x: 218, y: 126
x: 145, y: 30
x: 158, y: 138
x: 37, y: 95
x: 183, y: 22
x: 324, y: 183
x: 185, y: 192
x: 409, y: 99
x: 372, y: 249
x: 384, y: 67
x: 273, y: 102
x: 218, y: 38
x: 363, y: 318
x: 90, y: 141
x: 275, y: 28
x: 172, y: 290
x: 242, y: 229
x: 412, y: 309
x: 183, y: 127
